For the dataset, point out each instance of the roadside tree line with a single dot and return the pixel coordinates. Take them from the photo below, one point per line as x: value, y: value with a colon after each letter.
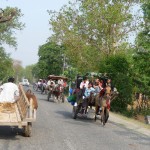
x: 9, y: 23
x: 95, y: 37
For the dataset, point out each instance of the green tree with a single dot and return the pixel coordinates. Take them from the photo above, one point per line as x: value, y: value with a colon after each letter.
x: 92, y: 29
x: 9, y: 22
x: 118, y: 69
x: 141, y: 57
x: 18, y: 70
x: 28, y: 73
x: 35, y: 72
x: 50, y: 60
x: 6, y: 65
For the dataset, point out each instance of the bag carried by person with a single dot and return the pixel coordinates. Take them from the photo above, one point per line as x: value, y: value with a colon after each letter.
x: 71, y: 98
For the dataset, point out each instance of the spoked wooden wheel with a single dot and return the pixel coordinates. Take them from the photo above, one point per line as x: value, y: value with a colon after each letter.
x: 103, y: 119
x: 35, y: 87
x: 105, y: 116
x: 27, y: 129
x: 74, y: 116
x: 62, y: 97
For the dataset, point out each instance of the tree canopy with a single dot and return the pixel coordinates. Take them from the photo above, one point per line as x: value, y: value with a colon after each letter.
x: 6, y: 66
x: 9, y: 23
x: 142, y: 54
x: 91, y: 30
x: 50, y: 59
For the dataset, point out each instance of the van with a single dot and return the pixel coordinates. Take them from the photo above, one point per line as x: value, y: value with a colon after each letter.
x: 25, y: 82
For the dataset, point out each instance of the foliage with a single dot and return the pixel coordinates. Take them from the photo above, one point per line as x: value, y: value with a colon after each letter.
x: 9, y: 23
x: 117, y: 68
x: 28, y: 73
x: 18, y: 70
x: 91, y: 29
x: 141, y: 56
x: 7, y: 29
x: 6, y: 66
x: 50, y: 60
x: 71, y: 73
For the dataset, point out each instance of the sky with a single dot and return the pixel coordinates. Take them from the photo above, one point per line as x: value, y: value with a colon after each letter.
x: 36, y: 31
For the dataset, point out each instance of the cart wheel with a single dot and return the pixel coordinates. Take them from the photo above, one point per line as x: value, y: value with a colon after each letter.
x: 106, y: 116
x: 75, y: 111
x: 35, y: 87
x: 63, y: 98
x: 48, y: 96
x: 27, y: 129
x: 95, y: 117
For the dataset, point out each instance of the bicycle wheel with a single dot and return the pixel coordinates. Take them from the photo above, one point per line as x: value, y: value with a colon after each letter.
x: 35, y: 87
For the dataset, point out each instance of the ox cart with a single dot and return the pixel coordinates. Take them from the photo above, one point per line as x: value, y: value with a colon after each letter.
x: 19, y: 114
x: 56, y: 89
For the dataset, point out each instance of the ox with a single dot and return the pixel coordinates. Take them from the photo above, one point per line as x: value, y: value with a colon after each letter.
x: 30, y: 95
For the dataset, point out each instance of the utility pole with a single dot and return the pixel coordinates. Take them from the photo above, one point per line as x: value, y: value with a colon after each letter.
x: 64, y: 63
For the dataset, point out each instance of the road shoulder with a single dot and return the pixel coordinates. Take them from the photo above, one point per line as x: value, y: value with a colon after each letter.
x: 130, y: 123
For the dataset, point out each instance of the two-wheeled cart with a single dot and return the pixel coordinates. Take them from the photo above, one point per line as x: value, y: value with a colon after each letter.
x: 19, y: 114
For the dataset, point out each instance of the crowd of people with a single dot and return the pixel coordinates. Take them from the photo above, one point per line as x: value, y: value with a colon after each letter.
x: 9, y: 92
x: 43, y: 84
x: 87, y: 88
x: 96, y: 91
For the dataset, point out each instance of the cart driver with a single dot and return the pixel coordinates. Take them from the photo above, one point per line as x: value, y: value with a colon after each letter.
x: 89, y: 91
x: 9, y: 91
x: 84, y: 83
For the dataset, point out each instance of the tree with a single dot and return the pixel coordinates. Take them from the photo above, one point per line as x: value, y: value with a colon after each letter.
x: 118, y: 69
x: 50, y: 59
x: 4, y: 17
x: 28, y: 73
x: 18, y: 70
x: 6, y: 65
x: 142, y: 54
x: 9, y: 22
x: 92, y: 29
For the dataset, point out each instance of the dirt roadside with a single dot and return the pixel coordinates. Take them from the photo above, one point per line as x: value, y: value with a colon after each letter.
x: 130, y: 123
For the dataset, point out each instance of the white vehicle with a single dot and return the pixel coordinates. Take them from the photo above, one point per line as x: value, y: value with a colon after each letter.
x: 25, y: 82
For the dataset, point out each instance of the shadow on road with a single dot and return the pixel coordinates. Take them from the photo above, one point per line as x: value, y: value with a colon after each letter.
x: 9, y: 133
x: 78, y: 121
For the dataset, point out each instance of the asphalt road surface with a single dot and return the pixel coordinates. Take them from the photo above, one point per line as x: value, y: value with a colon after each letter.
x: 55, y: 129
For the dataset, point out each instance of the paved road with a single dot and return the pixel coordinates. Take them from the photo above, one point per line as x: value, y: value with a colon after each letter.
x: 56, y: 130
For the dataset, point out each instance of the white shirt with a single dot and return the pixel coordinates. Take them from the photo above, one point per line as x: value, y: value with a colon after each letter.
x: 8, y: 92
x: 60, y: 82
x: 84, y: 84
x: 49, y: 82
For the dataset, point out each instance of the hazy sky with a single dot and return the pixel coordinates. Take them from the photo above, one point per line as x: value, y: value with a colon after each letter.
x: 37, y: 27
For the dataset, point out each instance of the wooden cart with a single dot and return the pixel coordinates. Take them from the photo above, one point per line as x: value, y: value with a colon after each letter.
x: 20, y: 113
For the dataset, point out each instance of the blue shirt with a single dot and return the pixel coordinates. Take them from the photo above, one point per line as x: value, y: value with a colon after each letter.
x: 88, y: 91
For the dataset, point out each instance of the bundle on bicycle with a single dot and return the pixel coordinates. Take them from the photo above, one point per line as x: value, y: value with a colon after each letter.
x: 95, y: 93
